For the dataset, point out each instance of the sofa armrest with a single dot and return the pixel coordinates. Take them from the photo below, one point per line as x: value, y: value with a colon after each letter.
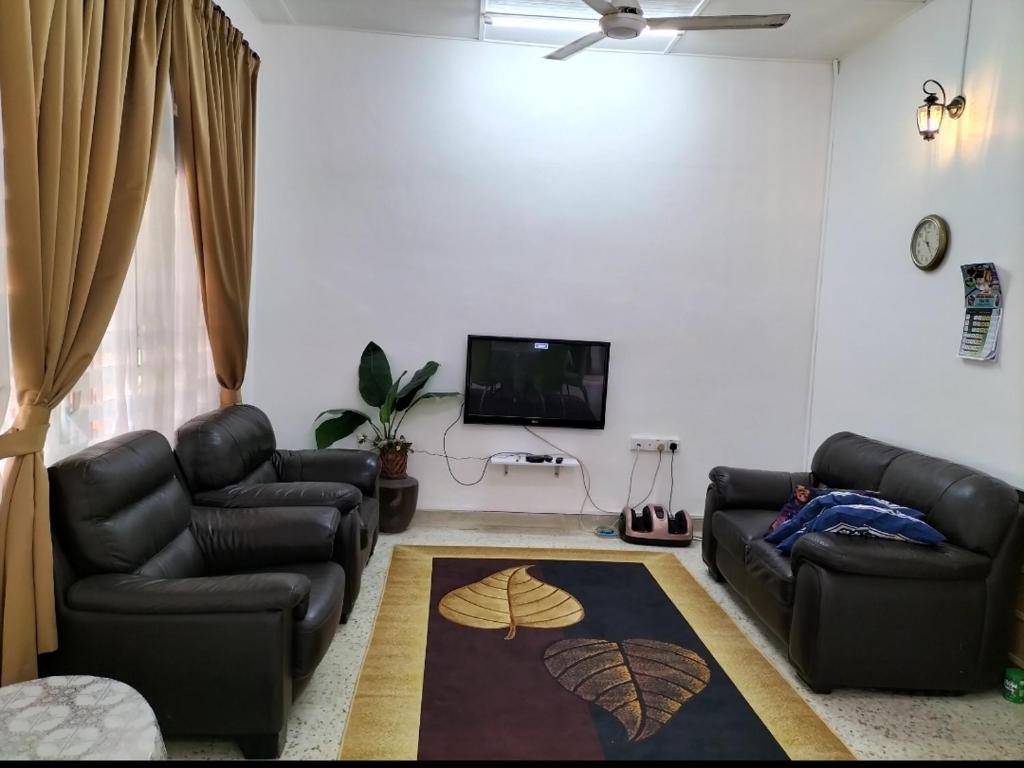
x: 737, y: 488
x: 241, y: 539
x: 244, y: 593
x: 889, y: 559
x: 342, y: 496
x: 331, y: 465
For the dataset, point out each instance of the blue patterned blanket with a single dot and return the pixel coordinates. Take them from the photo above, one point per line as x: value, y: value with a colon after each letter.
x: 854, y: 514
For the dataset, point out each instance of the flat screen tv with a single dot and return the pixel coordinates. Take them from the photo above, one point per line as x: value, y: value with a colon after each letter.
x: 540, y: 382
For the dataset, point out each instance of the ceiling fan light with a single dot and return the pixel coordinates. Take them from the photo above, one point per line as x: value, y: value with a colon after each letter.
x: 623, y: 26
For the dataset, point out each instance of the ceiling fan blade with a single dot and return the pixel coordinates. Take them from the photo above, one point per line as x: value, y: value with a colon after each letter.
x: 602, y: 7
x: 689, y: 23
x: 576, y: 46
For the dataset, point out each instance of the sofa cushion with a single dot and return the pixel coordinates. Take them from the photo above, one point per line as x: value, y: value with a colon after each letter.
x: 972, y: 509
x: 738, y: 488
x: 890, y: 559
x: 919, y: 481
x: 229, y: 445
x: 771, y: 569
x: 977, y: 513
x: 181, y: 559
x: 119, y: 503
x: 846, y: 460
x: 734, y: 529
x: 313, y: 634
x: 341, y: 496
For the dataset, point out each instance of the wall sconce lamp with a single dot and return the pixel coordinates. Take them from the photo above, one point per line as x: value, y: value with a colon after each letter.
x: 929, y: 114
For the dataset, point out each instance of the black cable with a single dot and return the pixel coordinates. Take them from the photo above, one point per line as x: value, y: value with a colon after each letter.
x: 654, y: 480
x: 456, y: 458
x: 448, y: 459
x: 671, y: 479
x: 584, y: 473
x: 632, y: 470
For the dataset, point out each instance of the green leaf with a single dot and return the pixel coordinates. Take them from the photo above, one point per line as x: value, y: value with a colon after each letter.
x: 338, y: 412
x: 342, y: 425
x: 414, y: 385
x: 387, y: 410
x: 374, y: 375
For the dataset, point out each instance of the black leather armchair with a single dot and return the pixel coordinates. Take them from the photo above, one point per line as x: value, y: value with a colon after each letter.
x: 215, y: 616
x: 870, y: 613
x: 230, y: 459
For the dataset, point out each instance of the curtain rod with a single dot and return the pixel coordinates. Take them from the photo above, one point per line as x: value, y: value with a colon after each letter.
x: 245, y: 42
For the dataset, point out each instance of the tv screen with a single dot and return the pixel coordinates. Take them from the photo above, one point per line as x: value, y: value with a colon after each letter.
x: 542, y: 382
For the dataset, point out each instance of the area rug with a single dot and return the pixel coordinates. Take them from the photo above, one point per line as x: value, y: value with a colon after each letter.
x: 526, y: 654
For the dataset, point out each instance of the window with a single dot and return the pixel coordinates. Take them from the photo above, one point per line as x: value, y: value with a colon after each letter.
x: 153, y: 369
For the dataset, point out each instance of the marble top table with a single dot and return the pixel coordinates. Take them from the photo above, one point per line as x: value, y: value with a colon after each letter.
x: 77, y: 717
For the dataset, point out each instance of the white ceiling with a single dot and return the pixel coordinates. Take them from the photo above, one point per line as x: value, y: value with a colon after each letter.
x: 817, y: 29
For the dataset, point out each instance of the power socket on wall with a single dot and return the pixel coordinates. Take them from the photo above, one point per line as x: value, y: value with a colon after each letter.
x: 651, y: 442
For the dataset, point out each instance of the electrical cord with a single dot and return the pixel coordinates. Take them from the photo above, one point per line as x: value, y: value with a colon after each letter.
x: 654, y: 481
x: 584, y: 474
x: 632, y: 470
x: 487, y: 459
x: 673, y: 447
x: 458, y: 458
x: 449, y: 459
x: 584, y: 471
x: 671, y: 477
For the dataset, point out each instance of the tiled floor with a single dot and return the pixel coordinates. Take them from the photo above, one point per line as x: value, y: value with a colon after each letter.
x: 873, y: 724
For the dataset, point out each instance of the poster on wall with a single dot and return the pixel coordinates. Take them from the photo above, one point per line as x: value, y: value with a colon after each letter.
x: 983, y: 304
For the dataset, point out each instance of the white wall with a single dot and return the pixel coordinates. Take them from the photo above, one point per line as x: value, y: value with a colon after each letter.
x: 413, y: 191
x: 244, y: 19
x: 886, y: 360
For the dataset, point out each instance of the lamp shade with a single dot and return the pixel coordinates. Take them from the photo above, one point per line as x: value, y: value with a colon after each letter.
x: 929, y: 118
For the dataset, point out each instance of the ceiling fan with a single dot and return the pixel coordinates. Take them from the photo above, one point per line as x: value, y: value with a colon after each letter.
x: 624, y: 20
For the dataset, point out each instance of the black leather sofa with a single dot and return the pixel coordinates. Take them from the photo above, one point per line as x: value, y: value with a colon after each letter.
x: 870, y: 613
x: 229, y: 458
x: 215, y: 616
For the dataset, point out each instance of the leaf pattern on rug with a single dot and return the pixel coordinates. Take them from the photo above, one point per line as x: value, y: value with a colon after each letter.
x: 510, y: 599
x: 643, y: 683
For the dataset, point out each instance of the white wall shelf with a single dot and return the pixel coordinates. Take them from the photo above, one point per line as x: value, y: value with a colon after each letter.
x: 507, y: 460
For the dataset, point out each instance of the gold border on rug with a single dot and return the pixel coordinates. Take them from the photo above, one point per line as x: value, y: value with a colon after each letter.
x: 384, y: 720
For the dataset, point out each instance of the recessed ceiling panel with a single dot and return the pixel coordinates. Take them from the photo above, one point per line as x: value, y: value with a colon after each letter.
x: 817, y: 29
x: 557, y: 37
x: 558, y: 22
x: 577, y: 9
x: 440, y: 18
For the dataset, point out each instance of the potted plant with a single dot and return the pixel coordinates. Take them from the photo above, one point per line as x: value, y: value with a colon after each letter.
x: 393, y: 401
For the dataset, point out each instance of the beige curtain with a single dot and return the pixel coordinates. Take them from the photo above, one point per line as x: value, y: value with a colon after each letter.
x: 213, y: 75
x: 81, y: 82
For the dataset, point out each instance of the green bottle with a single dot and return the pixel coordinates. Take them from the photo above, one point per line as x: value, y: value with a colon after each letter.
x: 1013, y: 685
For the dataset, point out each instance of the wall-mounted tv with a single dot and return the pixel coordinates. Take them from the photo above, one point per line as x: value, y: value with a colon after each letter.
x: 540, y: 382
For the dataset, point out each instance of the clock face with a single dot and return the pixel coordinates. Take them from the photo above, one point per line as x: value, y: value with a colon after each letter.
x: 928, y: 245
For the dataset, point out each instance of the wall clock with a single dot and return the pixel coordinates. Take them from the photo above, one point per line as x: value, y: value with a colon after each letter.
x: 929, y: 242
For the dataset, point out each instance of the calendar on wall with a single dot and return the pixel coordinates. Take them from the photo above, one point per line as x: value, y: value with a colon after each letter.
x: 983, y: 311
